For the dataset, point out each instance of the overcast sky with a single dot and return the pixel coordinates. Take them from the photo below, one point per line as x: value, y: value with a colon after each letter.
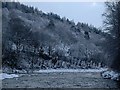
x: 87, y: 12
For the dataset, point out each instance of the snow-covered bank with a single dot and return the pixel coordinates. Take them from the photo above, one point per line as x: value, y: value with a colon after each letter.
x: 70, y: 70
x: 5, y: 75
x: 111, y: 75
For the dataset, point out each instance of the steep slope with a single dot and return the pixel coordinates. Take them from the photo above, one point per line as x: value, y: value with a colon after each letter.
x: 33, y: 39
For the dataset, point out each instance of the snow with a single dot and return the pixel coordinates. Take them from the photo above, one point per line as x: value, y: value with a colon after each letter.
x: 14, y: 47
x: 5, y: 75
x: 111, y: 75
x: 70, y: 70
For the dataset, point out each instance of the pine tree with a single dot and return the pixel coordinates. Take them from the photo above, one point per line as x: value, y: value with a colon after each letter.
x: 112, y: 23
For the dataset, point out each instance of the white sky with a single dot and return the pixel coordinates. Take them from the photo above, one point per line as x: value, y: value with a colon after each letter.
x: 87, y: 12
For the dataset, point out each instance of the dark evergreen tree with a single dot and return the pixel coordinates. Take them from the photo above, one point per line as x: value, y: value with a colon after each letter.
x: 87, y: 35
x: 112, y: 23
x: 51, y: 24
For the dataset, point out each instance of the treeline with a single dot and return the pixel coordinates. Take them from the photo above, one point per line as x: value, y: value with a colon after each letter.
x: 30, y: 9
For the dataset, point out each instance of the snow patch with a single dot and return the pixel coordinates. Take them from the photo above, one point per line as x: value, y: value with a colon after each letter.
x: 111, y: 75
x: 14, y: 47
x: 5, y: 75
x: 70, y: 70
